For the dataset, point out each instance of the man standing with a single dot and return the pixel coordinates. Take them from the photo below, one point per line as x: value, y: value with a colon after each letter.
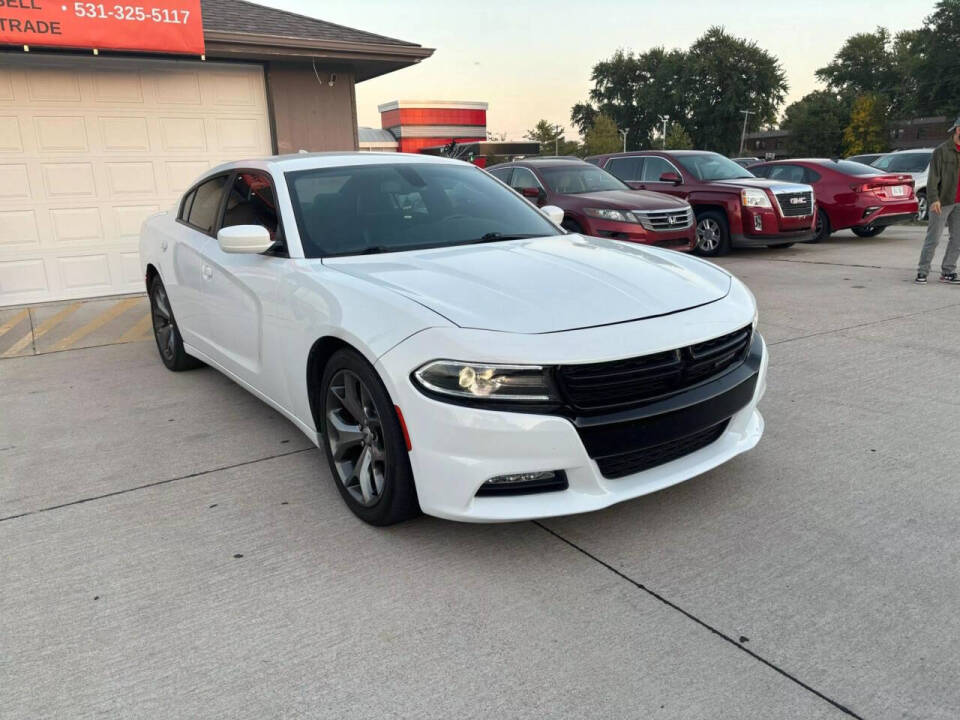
x: 943, y: 193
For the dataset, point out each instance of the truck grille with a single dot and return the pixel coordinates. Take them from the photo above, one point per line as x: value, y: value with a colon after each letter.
x: 795, y: 204
x: 665, y: 220
x: 621, y: 383
x: 634, y: 461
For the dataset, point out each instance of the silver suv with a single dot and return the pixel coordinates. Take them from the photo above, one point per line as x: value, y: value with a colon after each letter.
x: 916, y: 162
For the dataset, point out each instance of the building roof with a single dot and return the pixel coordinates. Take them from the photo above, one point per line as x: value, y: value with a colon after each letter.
x: 375, y: 135
x: 432, y: 104
x: 247, y: 17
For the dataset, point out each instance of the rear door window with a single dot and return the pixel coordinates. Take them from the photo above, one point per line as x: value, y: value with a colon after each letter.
x: 206, y: 204
x: 626, y: 168
x: 502, y: 174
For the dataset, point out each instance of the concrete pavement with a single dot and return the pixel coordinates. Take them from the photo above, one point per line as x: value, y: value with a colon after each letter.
x: 174, y: 548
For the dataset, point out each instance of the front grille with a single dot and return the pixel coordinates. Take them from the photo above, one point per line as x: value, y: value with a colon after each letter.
x: 622, y: 383
x: 665, y: 220
x: 634, y: 461
x: 795, y: 204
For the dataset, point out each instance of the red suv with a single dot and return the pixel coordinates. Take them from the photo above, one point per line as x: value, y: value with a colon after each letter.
x: 849, y: 194
x: 733, y: 207
x: 596, y: 203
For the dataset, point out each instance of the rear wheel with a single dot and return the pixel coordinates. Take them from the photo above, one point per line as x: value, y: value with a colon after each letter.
x: 713, y: 236
x: 922, y: 206
x: 166, y: 332
x: 867, y: 231
x: 364, y: 442
x: 822, y: 229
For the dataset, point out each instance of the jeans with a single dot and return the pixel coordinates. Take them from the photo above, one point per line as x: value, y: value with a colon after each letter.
x: 949, y: 215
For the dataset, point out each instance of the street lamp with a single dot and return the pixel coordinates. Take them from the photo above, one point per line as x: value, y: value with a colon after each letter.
x: 663, y: 138
x: 624, y: 133
x: 746, y: 114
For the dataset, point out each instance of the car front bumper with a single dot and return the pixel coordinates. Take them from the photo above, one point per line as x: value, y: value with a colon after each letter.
x: 455, y: 449
x: 682, y: 240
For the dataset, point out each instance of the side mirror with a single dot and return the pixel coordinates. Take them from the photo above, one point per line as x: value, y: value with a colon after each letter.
x: 553, y: 213
x: 531, y: 192
x: 671, y: 177
x: 244, y: 239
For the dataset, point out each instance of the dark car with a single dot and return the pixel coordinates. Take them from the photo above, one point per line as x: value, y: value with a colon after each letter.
x: 849, y: 194
x: 733, y: 207
x: 747, y: 161
x: 596, y: 203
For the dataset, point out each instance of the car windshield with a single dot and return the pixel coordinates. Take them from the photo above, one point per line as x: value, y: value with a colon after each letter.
x: 711, y: 166
x: 574, y: 180
x: 405, y: 206
x: 904, y: 162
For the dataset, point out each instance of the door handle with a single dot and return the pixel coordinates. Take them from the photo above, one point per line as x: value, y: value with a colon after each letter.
x: 206, y: 271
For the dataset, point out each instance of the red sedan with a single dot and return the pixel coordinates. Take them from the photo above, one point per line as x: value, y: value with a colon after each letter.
x: 849, y: 194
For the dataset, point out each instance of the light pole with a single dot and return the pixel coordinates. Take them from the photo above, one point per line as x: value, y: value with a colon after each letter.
x: 663, y: 138
x: 624, y: 133
x: 743, y: 135
x: 556, y: 139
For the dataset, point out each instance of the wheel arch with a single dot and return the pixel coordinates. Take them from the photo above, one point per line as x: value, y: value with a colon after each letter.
x: 152, y: 272
x: 320, y: 353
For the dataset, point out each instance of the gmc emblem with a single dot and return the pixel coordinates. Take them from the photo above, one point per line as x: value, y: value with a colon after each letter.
x: 798, y: 201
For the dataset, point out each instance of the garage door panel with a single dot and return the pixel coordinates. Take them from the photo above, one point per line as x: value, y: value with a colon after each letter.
x: 90, y: 149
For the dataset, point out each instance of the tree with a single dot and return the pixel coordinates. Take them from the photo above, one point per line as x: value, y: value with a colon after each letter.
x: 678, y: 138
x: 724, y: 75
x: 816, y: 123
x: 866, y: 132
x: 548, y: 135
x: 864, y: 64
x: 602, y: 137
x: 582, y: 116
x: 937, y: 78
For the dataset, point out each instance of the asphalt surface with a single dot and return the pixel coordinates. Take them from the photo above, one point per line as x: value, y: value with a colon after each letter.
x: 171, y: 547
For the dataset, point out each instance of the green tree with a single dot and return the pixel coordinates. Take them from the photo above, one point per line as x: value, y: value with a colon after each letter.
x: 678, y: 138
x: 549, y: 136
x: 724, y: 75
x: 864, y: 64
x: 816, y: 122
x: 602, y: 137
x: 937, y: 71
x: 867, y: 131
x: 582, y: 116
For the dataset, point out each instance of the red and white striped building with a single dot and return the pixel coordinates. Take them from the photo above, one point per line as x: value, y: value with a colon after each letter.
x: 418, y: 124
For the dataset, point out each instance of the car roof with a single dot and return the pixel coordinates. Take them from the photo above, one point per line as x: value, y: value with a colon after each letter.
x: 911, y: 150
x: 546, y: 161
x: 309, y: 161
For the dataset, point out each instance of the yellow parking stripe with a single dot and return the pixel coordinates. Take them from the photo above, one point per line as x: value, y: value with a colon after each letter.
x: 42, y: 329
x: 95, y: 324
x: 14, y: 321
x: 138, y: 331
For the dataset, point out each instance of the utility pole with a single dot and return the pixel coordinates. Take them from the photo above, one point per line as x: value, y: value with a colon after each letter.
x: 746, y: 114
x: 624, y: 133
x: 556, y: 139
x: 663, y: 138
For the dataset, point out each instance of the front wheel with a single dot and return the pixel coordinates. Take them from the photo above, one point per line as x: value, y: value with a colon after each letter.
x: 166, y: 332
x: 364, y: 443
x: 713, y: 236
x: 867, y: 231
x: 822, y: 229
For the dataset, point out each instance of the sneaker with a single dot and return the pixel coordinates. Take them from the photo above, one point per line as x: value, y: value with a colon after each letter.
x: 921, y: 279
x: 950, y: 278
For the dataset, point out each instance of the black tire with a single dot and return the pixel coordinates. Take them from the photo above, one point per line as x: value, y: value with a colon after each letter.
x: 780, y: 247
x: 571, y: 225
x: 713, y: 234
x: 166, y: 332
x: 396, y: 498
x: 823, y: 227
x: 923, y: 210
x: 868, y: 231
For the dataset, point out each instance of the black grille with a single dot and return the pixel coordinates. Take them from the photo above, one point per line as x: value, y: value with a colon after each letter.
x: 615, y: 466
x: 623, y: 383
x: 795, y: 204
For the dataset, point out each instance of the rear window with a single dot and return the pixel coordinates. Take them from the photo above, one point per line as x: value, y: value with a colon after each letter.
x: 848, y: 167
x: 904, y: 162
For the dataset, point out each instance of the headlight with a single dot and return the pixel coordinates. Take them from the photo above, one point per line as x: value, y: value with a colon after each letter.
x: 754, y: 197
x: 479, y: 381
x: 615, y: 215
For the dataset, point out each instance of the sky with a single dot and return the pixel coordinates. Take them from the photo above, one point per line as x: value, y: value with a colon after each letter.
x: 532, y: 60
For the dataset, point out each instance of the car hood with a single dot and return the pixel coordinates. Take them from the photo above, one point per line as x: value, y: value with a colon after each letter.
x: 543, y: 285
x: 630, y: 200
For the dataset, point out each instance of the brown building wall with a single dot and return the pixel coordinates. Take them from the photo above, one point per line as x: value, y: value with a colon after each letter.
x: 307, y: 114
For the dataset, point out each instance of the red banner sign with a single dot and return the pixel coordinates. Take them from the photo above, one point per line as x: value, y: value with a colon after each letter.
x: 170, y: 26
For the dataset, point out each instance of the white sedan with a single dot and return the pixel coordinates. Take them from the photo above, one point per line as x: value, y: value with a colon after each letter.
x: 449, y: 346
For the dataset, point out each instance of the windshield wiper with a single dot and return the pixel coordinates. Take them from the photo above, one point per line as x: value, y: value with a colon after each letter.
x: 498, y: 236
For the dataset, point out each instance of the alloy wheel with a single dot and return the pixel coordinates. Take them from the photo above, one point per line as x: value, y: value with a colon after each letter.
x: 355, y: 435
x: 922, y: 208
x: 708, y: 234
x: 163, y: 327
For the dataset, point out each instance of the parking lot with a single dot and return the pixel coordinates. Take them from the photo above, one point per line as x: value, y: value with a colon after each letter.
x: 172, y: 547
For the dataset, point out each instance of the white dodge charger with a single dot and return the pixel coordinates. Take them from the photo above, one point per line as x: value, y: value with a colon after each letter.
x: 450, y: 347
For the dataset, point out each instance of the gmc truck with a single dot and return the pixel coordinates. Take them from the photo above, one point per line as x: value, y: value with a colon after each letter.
x: 733, y: 207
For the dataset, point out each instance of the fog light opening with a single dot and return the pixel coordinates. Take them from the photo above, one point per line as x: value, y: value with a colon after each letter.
x: 524, y: 483
x: 870, y: 211
x: 758, y: 222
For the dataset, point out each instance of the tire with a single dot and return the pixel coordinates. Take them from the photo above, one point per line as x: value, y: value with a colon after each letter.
x: 572, y: 226
x: 822, y: 227
x: 868, y: 231
x: 713, y: 234
x: 364, y: 443
x: 166, y: 332
x: 780, y: 247
x: 923, y: 212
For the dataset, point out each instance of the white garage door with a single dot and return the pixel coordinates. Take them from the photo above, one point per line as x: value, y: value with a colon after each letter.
x: 89, y: 148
